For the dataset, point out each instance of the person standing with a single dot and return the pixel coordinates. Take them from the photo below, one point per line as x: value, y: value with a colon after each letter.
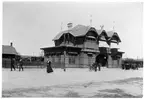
x: 21, y: 65
x: 49, y: 68
x: 99, y: 66
x: 12, y: 64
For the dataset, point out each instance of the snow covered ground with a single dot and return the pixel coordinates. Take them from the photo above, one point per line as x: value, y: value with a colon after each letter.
x: 109, y: 82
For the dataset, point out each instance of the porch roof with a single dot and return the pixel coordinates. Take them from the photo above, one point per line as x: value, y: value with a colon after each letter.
x: 62, y: 49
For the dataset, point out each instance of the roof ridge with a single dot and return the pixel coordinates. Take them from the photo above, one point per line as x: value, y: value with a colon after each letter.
x: 9, y: 46
x: 75, y: 31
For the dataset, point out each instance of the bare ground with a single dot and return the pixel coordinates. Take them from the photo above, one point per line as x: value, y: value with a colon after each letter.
x: 102, y: 89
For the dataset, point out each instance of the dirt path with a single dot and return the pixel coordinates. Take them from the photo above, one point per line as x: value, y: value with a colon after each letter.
x: 127, y: 88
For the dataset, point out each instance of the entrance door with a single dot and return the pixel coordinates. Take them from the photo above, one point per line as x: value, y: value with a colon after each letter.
x: 102, y: 58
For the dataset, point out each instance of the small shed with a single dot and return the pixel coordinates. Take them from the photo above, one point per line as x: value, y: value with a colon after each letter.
x: 8, y: 52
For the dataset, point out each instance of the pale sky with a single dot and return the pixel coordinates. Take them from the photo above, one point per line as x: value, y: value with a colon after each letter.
x: 33, y: 25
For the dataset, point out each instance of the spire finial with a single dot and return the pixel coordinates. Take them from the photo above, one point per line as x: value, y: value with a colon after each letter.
x: 102, y: 26
x: 90, y: 20
x: 113, y: 25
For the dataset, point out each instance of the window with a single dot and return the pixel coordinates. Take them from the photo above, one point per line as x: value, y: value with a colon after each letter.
x: 114, y: 57
x: 59, y: 58
x: 53, y: 58
x: 71, y: 59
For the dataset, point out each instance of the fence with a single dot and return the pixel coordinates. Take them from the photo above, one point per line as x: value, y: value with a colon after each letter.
x: 6, y: 63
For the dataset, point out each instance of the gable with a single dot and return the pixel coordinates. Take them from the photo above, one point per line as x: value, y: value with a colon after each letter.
x: 115, y: 37
x: 103, y: 35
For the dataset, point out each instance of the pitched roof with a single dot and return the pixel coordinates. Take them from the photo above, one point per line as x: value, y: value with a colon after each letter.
x: 81, y: 30
x: 110, y: 33
x: 6, y: 49
x: 78, y: 30
x: 116, y: 35
x: 99, y: 31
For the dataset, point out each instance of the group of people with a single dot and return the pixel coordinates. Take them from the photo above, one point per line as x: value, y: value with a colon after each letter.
x: 128, y: 66
x: 49, y: 69
x: 19, y: 64
x: 95, y: 66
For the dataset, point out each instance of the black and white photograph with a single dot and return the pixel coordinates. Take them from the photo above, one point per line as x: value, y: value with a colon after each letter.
x: 72, y: 49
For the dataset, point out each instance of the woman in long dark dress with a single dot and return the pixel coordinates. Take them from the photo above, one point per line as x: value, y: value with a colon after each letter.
x: 49, y: 68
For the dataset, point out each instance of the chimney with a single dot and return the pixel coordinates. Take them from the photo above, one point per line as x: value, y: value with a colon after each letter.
x: 69, y: 25
x: 11, y: 44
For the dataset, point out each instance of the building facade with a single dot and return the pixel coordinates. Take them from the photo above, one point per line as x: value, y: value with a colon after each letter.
x: 79, y: 46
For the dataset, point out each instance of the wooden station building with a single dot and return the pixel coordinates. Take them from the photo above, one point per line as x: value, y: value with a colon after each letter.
x: 79, y: 46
